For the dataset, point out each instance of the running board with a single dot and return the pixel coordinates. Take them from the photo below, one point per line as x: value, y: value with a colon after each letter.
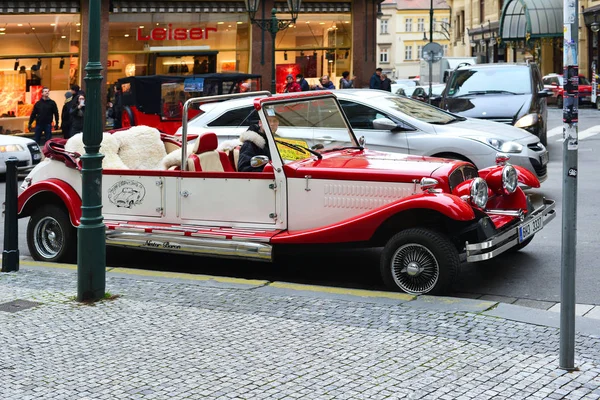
x: 177, y: 243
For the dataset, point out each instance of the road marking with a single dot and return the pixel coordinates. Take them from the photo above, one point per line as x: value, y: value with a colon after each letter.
x: 588, y: 133
x: 555, y: 131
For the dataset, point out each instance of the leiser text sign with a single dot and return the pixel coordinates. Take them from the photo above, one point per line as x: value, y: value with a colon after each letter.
x: 171, y: 33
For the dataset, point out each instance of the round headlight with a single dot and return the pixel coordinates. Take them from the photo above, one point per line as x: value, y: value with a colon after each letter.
x: 509, y: 178
x: 479, y: 192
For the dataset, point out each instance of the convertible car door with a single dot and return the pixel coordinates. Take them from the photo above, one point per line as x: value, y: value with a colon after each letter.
x: 361, y: 117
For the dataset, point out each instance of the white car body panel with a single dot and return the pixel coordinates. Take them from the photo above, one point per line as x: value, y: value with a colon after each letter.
x: 330, y: 201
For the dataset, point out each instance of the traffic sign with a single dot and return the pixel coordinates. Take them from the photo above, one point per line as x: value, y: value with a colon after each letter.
x: 432, y: 52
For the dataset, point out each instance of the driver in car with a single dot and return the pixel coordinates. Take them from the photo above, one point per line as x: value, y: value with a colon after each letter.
x: 254, y: 143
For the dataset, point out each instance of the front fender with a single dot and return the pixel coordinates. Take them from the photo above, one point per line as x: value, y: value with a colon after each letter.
x: 363, y: 227
x: 524, y: 176
x: 65, y: 192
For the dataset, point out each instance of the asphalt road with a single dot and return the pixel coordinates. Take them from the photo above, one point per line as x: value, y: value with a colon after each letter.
x: 533, y: 273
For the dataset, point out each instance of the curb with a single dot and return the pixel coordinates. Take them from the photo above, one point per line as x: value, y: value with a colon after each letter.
x: 588, y: 326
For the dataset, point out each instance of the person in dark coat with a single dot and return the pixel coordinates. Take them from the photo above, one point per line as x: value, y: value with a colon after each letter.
x: 375, y: 82
x: 77, y: 113
x: 304, y: 86
x: 43, y: 111
x: 386, y: 83
x: 118, y: 106
x: 346, y: 82
x: 255, y: 143
x: 65, y: 115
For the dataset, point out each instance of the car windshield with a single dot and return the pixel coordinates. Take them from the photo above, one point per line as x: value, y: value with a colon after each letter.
x: 303, y: 125
x: 482, y: 81
x: 417, y: 109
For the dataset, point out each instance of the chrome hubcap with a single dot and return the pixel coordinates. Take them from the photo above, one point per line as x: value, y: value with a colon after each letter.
x: 48, y: 237
x: 415, y: 268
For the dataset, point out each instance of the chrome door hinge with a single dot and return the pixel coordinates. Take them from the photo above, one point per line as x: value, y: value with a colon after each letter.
x: 307, y: 178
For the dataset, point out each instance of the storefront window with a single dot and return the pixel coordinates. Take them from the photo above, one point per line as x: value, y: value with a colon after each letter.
x: 177, y: 44
x: 36, y: 51
x: 317, y: 45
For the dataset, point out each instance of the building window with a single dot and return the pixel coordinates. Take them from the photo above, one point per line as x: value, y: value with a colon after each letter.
x: 421, y: 25
x: 383, y: 27
x: 419, y: 51
x: 408, y: 25
x: 383, y: 56
x: 408, y: 53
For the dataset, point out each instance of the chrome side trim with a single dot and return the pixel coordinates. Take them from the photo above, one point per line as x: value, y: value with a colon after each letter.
x: 213, y: 247
x: 504, y: 241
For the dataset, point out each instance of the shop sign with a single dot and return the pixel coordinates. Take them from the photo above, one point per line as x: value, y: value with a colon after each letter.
x: 170, y: 33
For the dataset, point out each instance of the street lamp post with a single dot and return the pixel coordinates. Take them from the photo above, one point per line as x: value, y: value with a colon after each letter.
x: 273, y: 25
x: 91, y: 240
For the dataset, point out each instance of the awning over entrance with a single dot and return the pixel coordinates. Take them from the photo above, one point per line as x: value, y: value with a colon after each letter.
x: 39, y: 7
x: 525, y: 19
x: 178, y: 7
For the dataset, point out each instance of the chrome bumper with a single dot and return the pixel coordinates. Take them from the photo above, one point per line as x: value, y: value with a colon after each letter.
x: 510, y: 238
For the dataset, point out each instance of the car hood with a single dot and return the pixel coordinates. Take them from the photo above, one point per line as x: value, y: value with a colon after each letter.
x: 488, y: 105
x: 368, y: 165
x: 472, y: 127
x: 10, y: 139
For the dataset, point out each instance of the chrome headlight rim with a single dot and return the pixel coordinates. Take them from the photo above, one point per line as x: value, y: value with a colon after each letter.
x: 510, y: 180
x: 479, y: 192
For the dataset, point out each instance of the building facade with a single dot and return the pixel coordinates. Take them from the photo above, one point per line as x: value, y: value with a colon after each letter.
x: 44, y: 43
x: 404, y: 28
x: 521, y: 30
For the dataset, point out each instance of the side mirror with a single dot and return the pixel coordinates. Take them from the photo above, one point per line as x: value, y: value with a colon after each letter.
x: 258, y: 161
x: 384, y: 124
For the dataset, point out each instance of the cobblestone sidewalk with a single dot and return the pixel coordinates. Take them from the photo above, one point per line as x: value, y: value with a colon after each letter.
x: 168, y: 338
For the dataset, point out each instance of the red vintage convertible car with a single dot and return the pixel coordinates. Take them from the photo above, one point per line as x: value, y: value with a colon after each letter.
x: 326, y: 193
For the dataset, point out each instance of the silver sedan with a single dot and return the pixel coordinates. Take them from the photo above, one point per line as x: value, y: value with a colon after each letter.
x: 397, y: 124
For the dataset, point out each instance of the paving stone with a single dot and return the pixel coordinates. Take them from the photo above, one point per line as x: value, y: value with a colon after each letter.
x: 580, y: 309
x: 539, y: 304
x: 166, y: 339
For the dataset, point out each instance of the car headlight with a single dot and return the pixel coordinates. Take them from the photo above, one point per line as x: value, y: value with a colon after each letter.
x: 9, y: 148
x: 527, y: 121
x: 479, y: 192
x: 509, y: 178
x: 499, y: 145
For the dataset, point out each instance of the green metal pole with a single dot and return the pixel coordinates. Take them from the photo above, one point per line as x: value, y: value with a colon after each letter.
x: 274, y: 30
x: 91, y: 240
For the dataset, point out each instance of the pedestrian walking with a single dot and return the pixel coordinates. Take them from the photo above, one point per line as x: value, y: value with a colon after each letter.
x: 118, y: 106
x: 77, y: 114
x: 375, y: 82
x: 386, y: 83
x: 43, y: 111
x: 346, y: 83
x: 65, y: 115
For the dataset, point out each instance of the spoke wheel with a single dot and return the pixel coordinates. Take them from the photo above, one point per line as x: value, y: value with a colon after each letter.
x: 415, y: 269
x: 419, y: 261
x: 50, y: 235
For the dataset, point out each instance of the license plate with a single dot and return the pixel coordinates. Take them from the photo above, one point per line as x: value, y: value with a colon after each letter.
x: 37, y: 156
x: 544, y: 158
x: 530, y: 228
x: 587, y: 98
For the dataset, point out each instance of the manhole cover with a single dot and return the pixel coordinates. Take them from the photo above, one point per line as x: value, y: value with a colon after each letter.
x: 18, y: 305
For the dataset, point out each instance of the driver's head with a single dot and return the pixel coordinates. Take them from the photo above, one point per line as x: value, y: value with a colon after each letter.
x: 273, y: 123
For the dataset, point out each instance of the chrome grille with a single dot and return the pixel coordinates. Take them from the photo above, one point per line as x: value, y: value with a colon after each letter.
x: 540, y: 170
x: 461, y: 174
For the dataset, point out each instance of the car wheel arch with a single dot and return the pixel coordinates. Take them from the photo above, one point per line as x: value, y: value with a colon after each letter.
x: 452, y: 156
x: 416, y: 218
x: 51, y: 192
